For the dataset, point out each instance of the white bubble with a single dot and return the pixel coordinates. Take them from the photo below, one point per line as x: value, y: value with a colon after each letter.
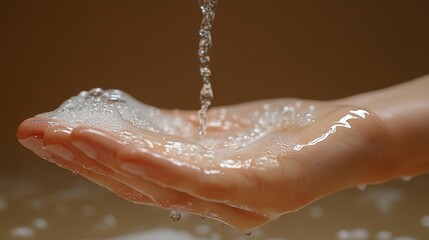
x: 353, y: 234
x: 404, y: 238
x: 382, y: 199
x: 164, y: 233
x: 406, y: 178
x: 109, y: 220
x: 361, y: 187
x: 425, y: 221
x: 315, y: 212
x: 202, y: 229
x: 22, y: 232
x: 3, y: 205
x: 40, y: 223
x: 88, y: 210
x: 343, y: 234
x: 384, y: 235
x: 215, y: 236
x: 360, y: 233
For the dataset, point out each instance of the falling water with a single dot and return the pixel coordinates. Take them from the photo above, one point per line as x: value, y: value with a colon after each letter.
x: 206, y: 95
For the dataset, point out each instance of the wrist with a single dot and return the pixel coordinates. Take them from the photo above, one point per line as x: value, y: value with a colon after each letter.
x: 404, y: 113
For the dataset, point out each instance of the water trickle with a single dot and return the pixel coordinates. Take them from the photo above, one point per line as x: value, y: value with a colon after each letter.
x: 175, y: 215
x: 207, y: 8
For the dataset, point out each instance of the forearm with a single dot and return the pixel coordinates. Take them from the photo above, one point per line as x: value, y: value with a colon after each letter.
x: 404, y: 109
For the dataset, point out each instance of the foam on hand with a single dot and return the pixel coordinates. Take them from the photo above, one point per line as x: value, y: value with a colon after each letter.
x: 231, y: 132
x: 115, y: 111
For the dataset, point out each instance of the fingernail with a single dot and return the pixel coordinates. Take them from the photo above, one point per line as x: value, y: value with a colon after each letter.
x: 61, y: 151
x: 86, y: 149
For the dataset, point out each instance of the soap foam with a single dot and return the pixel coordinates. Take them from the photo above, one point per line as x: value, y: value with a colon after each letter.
x: 115, y: 111
x: 256, y: 124
x: 118, y: 112
x: 167, y: 134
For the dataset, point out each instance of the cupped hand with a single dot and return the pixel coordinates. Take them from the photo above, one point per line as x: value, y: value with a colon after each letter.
x: 257, y: 161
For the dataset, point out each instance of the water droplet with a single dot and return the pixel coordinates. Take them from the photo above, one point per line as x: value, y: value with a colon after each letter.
x: 95, y: 92
x: 205, y: 72
x: 113, y: 96
x: 175, y: 215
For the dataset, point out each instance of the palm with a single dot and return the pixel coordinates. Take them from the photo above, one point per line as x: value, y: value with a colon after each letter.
x: 257, y: 161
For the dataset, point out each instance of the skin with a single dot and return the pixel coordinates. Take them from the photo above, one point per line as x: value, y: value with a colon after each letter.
x: 364, y: 139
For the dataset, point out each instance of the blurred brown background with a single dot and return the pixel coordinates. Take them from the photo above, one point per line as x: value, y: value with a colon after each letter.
x: 51, y: 50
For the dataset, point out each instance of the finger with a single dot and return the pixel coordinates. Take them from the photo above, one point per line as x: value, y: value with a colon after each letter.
x: 57, y: 145
x: 158, y: 165
x: 32, y: 133
x: 119, y: 188
x: 59, y: 134
x: 164, y: 196
x: 239, y: 188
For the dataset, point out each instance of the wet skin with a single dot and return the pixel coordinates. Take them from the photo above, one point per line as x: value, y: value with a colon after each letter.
x: 223, y: 189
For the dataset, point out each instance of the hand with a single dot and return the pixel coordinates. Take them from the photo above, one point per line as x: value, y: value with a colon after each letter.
x: 257, y: 161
